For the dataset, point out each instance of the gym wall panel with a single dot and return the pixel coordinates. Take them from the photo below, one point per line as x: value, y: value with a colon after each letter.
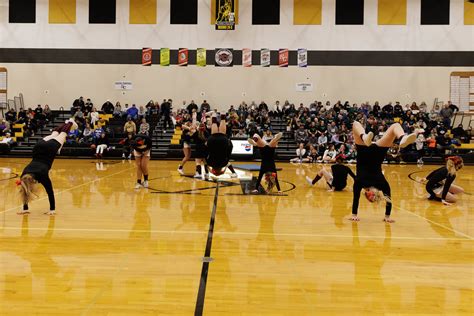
x: 183, y: 11
x: 468, y: 12
x: 62, y: 11
x: 435, y: 12
x: 22, y: 11
x: 307, y: 12
x: 392, y: 12
x: 102, y: 11
x: 265, y: 12
x: 350, y: 12
x: 213, y: 11
x: 142, y: 12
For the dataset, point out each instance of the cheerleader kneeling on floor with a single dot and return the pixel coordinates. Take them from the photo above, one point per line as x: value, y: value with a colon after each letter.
x: 439, y: 183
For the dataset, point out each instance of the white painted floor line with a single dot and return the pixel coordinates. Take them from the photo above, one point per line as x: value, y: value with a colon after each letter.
x: 437, y: 224
x: 69, y: 189
x: 190, y: 232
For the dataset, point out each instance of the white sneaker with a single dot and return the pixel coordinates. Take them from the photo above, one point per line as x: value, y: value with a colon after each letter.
x: 368, y: 139
x: 252, y: 142
x: 309, y: 180
x: 278, y: 136
x: 197, y: 175
x: 145, y: 184
x: 407, y: 140
x: 180, y: 171
x: 129, y: 157
x: 123, y: 156
x: 138, y: 186
x: 233, y: 175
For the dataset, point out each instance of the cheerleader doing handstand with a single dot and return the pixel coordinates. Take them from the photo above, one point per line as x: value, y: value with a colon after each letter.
x: 369, y: 165
x: 37, y: 171
x: 219, y: 148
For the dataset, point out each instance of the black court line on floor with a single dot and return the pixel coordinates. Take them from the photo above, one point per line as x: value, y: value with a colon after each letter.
x: 195, y: 191
x: 410, y: 176
x: 207, y: 258
x: 12, y: 176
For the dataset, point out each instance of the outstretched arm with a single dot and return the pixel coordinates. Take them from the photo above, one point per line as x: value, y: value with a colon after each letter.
x: 48, y: 186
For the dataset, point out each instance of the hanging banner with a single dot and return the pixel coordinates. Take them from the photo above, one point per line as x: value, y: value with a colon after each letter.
x: 304, y: 87
x: 283, y: 57
x: 201, y: 57
x: 146, y: 56
x: 265, y: 57
x: 183, y: 57
x: 247, y: 57
x: 165, y: 57
x: 225, y: 14
x: 302, y: 57
x: 224, y: 57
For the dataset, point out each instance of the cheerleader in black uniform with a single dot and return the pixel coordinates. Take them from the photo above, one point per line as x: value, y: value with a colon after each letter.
x: 186, y: 137
x: 370, y: 157
x: 439, y: 183
x: 267, y: 166
x: 141, y: 145
x: 37, y: 171
x: 337, y: 178
x: 200, y: 137
x: 219, y: 148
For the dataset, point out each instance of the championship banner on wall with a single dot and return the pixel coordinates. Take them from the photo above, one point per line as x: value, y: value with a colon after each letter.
x: 146, y: 56
x: 225, y: 15
x: 165, y: 57
x: 265, y: 57
x: 302, y: 57
x: 247, y: 57
x: 224, y: 57
x: 183, y: 57
x: 283, y: 57
x: 201, y: 57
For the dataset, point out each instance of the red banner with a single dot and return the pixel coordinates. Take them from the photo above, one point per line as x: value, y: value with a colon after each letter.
x: 146, y: 56
x: 283, y: 57
x: 183, y: 57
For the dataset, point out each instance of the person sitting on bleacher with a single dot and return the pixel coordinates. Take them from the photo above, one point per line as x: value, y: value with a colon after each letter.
x: 94, y: 116
x: 107, y: 107
x: 4, y: 127
x: 133, y: 112
x: 144, y: 128
x: 117, y: 110
x: 130, y: 127
x: 10, y: 116
x: 8, y: 140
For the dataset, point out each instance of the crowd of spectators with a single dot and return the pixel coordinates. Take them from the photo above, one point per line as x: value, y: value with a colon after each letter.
x: 31, y: 119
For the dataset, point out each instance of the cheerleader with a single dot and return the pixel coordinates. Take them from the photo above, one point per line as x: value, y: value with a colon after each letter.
x: 186, y: 137
x: 337, y: 178
x: 267, y: 166
x: 439, y: 183
x: 199, y: 138
x: 141, y: 145
x: 370, y: 157
x: 219, y: 148
x: 37, y: 171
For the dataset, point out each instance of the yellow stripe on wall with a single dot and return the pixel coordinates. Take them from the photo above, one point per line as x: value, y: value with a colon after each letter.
x: 213, y: 11
x: 468, y: 13
x: 307, y: 12
x: 62, y: 11
x: 392, y: 12
x: 142, y: 11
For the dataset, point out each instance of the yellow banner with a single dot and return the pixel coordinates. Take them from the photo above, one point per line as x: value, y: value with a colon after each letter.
x: 468, y: 13
x: 213, y: 11
x: 201, y: 57
x: 165, y: 57
x: 142, y: 11
x: 392, y: 12
x: 307, y: 12
x: 62, y: 11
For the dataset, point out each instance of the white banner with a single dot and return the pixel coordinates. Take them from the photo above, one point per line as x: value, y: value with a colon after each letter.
x: 302, y: 57
x: 304, y: 87
x: 265, y: 57
x: 123, y: 85
x: 241, y: 147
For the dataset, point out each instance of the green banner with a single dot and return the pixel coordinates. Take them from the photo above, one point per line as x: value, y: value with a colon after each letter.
x: 165, y: 57
x: 201, y: 57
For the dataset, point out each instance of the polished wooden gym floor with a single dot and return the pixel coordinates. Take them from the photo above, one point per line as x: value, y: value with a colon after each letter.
x: 178, y: 248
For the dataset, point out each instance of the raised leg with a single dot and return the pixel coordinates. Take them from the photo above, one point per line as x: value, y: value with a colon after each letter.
x: 52, y: 136
x: 394, y: 132
x: 275, y: 140
x: 258, y: 141
x: 223, y: 125
x: 360, y: 137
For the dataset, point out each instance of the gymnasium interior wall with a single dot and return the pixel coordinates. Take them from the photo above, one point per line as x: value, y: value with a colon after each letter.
x: 58, y: 84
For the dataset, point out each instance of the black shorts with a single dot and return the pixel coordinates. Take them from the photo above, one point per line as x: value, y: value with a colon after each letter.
x: 219, y: 149
x: 200, y: 151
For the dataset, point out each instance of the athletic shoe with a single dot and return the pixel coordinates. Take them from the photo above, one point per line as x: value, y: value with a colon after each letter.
x: 309, y: 180
x: 145, y: 184
x: 203, y: 176
x: 129, y: 157
x: 407, y: 140
x: 180, y: 171
x: 51, y: 213
x: 197, y: 175
x: 252, y: 142
x: 368, y: 139
x: 233, y: 175
x: 278, y: 136
x: 123, y: 156
x: 138, y: 186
